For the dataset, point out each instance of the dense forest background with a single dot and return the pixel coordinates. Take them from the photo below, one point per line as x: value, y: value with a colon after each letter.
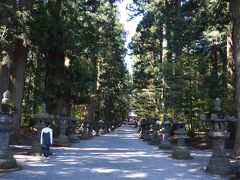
x: 67, y: 54
x: 70, y: 54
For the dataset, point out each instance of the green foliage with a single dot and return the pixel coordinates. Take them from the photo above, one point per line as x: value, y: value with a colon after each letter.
x: 76, y: 51
x: 181, y: 62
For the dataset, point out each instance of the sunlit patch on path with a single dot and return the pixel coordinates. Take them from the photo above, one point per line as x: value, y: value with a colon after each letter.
x: 119, y: 155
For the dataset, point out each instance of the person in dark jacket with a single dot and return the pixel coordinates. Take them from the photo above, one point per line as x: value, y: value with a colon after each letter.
x: 46, y: 139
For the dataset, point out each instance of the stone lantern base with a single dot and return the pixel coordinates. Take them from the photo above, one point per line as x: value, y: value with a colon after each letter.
x: 8, y: 163
x: 62, y: 140
x: 90, y: 135
x: 106, y: 131
x: 101, y: 132
x: 181, y: 153
x: 84, y: 136
x: 97, y: 133
x: 165, y: 145
x: 141, y: 135
x: 147, y: 136
x: 155, y: 141
x: 73, y: 138
x: 35, y: 149
x: 219, y: 166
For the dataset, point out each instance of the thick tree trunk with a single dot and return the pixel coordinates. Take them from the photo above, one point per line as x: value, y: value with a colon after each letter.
x: 17, y: 79
x: 235, y: 7
x: 54, y: 85
x: 229, y: 84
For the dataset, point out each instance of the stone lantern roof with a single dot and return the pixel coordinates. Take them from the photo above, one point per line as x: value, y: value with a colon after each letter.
x: 42, y: 114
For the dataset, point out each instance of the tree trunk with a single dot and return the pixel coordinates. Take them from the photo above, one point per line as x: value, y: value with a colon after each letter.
x: 55, y: 72
x: 235, y: 7
x: 163, y: 59
x: 17, y: 79
x: 91, y: 107
x: 179, y: 28
x: 54, y: 85
x: 4, y: 73
x: 229, y: 84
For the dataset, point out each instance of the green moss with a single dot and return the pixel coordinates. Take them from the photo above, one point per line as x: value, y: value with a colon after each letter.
x: 8, y: 108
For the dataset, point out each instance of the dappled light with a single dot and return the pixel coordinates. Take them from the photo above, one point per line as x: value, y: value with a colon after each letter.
x: 120, y: 89
x: 110, y: 156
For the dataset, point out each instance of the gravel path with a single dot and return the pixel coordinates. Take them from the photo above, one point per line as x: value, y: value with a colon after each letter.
x: 119, y: 155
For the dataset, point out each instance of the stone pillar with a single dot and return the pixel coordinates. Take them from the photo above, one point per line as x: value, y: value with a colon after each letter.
x: 40, y: 119
x: 73, y: 138
x: 6, y: 126
x: 165, y: 144
x: 62, y: 139
x: 181, y: 151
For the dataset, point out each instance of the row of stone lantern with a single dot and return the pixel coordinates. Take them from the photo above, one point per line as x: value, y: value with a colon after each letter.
x: 219, y: 163
x: 63, y: 122
x: 100, y: 128
x: 7, y: 160
x: 180, y: 151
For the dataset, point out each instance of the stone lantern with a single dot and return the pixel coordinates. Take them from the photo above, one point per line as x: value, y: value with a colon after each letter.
x: 218, y: 164
x: 147, y: 135
x: 155, y: 140
x: 101, y: 130
x: 62, y: 139
x: 90, y: 128
x: 105, y: 128
x: 96, y: 128
x: 165, y: 144
x: 6, y: 126
x: 180, y: 151
x: 142, y: 128
x: 73, y: 138
x: 40, y: 119
x: 84, y: 134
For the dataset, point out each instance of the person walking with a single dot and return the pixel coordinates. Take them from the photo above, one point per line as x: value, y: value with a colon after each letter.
x: 46, y: 139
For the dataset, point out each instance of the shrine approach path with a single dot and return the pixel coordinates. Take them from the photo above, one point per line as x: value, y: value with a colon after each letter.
x: 118, y: 155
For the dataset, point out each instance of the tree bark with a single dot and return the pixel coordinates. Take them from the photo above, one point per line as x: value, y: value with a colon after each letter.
x: 179, y: 28
x: 235, y: 7
x: 54, y: 88
x: 91, y: 107
x: 17, y: 79
x: 55, y: 91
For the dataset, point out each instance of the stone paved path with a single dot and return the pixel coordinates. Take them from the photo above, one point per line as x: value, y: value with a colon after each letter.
x: 119, y: 155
